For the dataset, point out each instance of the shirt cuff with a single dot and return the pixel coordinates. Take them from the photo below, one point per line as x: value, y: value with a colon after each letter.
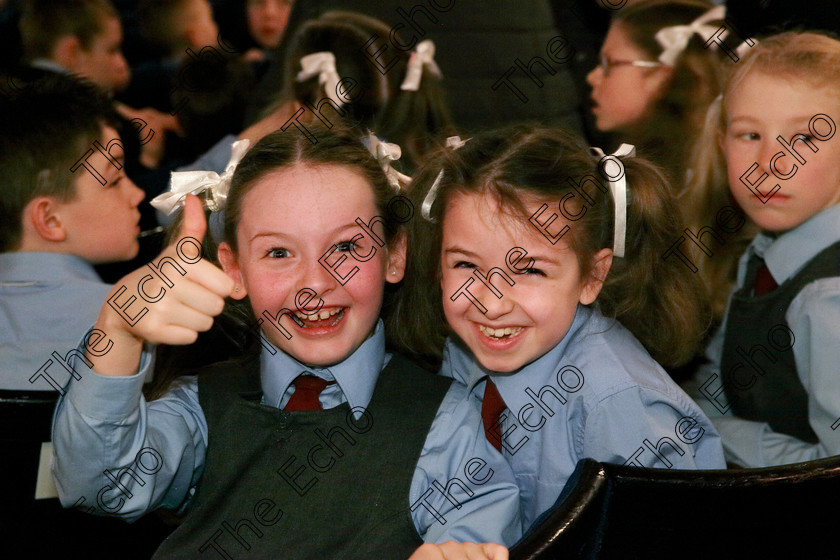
x: 742, y: 440
x: 108, y: 398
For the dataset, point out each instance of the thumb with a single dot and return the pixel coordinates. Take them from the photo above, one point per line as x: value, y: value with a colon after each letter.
x: 193, y: 223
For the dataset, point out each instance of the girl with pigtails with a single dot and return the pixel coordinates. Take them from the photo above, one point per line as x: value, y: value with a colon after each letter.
x: 535, y: 276
x: 314, y: 442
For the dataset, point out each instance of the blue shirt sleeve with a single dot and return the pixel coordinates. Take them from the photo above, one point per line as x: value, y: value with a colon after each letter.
x: 463, y: 489
x: 117, y: 454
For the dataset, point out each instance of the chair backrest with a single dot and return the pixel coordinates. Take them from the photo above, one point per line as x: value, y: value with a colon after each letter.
x: 616, y: 511
x: 25, y: 422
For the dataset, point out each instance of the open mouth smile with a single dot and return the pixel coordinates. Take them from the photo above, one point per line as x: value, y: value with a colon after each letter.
x: 321, y: 322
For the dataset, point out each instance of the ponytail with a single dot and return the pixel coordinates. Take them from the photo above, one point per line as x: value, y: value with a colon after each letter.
x: 658, y: 299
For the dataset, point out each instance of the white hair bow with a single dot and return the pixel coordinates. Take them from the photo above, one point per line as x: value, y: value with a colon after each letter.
x: 322, y: 64
x: 675, y: 39
x: 423, y: 56
x: 385, y: 153
x: 453, y: 142
x: 618, y: 187
x: 217, y: 186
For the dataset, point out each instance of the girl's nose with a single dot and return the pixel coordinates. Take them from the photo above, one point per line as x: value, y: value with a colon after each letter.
x: 495, y: 293
x: 318, y: 279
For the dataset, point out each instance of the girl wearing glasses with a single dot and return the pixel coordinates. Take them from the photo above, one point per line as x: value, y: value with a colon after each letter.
x: 659, y: 72
x: 656, y: 79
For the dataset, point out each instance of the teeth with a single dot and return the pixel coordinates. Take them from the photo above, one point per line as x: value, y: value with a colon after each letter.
x: 500, y: 333
x: 318, y: 316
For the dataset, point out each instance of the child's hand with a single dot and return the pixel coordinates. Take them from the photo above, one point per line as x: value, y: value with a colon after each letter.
x: 170, y: 314
x: 451, y: 550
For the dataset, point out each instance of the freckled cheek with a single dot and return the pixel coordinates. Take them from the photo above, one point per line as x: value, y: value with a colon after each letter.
x: 366, y: 285
x: 269, y: 292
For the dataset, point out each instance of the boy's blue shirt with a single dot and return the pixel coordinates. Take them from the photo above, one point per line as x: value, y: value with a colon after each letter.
x: 616, y: 398
x: 814, y: 318
x: 48, y: 301
x: 103, y: 422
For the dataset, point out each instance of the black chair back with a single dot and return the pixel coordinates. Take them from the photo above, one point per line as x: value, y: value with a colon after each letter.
x: 616, y: 511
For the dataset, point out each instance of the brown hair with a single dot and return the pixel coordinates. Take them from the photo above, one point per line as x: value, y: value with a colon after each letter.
x: 659, y: 301
x: 236, y: 330
x: 43, y: 22
x: 668, y: 134
x: 412, y: 119
x: 813, y: 57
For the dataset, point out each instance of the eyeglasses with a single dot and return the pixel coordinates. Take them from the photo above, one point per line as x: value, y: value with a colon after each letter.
x: 607, y: 64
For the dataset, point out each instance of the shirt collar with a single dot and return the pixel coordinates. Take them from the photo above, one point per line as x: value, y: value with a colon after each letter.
x: 460, y: 364
x: 43, y: 269
x: 787, y: 254
x: 356, y: 376
x: 47, y: 64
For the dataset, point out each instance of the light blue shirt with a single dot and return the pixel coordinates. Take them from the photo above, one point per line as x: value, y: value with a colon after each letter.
x: 48, y: 301
x: 596, y: 394
x: 104, y: 422
x: 814, y: 318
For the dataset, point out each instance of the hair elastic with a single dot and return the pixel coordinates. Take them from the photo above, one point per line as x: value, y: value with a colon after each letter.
x: 674, y: 39
x: 217, y: 186
x: 453, y: 142
x: 385, y: 153
x: 322, y: 64
x: 423, y: 56
x: 618, y: 187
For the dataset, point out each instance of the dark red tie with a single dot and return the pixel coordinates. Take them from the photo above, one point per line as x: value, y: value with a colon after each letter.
x: 764, y: 282
x: 307, y: 390
x: 491, y: 409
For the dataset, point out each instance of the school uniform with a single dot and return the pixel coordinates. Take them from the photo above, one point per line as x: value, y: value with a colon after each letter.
x: 48, y: 301
x: 374, y: 496
x: 771, y: 386
x: 597, y: 394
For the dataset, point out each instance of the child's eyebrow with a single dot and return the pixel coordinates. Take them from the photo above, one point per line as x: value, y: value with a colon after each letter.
x: 542, y: 258
x: 456, y: 249
x: 339, y: 229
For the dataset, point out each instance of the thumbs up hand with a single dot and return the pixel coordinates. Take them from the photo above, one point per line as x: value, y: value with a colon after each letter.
x: 168, y: 301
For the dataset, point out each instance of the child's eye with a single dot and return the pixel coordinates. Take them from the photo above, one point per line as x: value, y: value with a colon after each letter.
x: 345, y: 246
x: 748, y: 136
x: 804, y: 136
x: 278, y: 253
x: 536, y: 271
x: 463, y: 264
x: 116, y: 180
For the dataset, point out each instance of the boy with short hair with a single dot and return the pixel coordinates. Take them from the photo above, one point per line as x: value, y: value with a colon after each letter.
x: 82, y: 37
x: 65, y: 205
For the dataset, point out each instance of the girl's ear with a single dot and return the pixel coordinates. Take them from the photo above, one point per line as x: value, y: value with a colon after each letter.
x: 396, y: 260
x: 231, y: 267
x: 601, y: 263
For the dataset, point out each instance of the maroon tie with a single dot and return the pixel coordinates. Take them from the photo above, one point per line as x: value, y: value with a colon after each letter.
x: 491, y: 409
x: 307, y: 390
x: 764, y: 281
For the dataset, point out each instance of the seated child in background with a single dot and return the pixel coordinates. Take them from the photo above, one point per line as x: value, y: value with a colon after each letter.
x: 84, y: 38
x: 267, y: 20
x: 64, y: 206
x: 170, y: 28
x: 655, y: 82
x: 772, y: 387
x: 237, y: 440
x: 411, y: 113
x: 552, y: 317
